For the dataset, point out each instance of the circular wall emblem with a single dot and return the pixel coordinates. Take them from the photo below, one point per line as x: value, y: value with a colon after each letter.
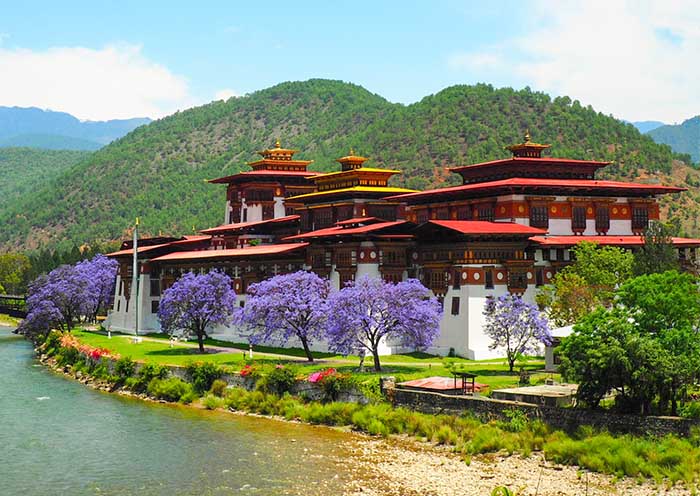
x: 499, y: 276
x: 554, y: 210
x: 590, y: 210
x: 464, y: 276
x: 614, y: 210
x: 503, y: 210
x: 624, y: 210
x: 362, y: 254
x: 521, y: 209
x: 549, y: 275
x: 529, y: 275
x: 372, y: 255
x: 414, y: 256
x: 476, y: 276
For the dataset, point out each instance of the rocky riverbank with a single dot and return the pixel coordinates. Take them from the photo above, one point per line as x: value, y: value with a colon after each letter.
x: 400, y: 466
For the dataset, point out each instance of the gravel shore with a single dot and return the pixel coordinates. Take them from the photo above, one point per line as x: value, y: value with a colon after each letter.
x: 405, y: 468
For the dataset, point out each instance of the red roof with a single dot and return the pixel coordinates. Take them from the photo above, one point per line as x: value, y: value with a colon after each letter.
x: 251, y: 251
x: 344, y: 231
x: 486, y: 227
x: 357, y: 220
x: 532, y: 160
x: 520, y: 182
x: 605, y: 240
x: 263, y: 173
x: 244, y: 225
x: 140, y: 249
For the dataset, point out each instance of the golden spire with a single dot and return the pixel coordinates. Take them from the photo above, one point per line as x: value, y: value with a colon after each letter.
x: 277, y: 143
x: 352, y: 152
x: 527, y: 136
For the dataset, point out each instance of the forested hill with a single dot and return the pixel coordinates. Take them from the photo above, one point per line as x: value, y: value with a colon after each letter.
x: 158, y: 171
x: 683, y: 137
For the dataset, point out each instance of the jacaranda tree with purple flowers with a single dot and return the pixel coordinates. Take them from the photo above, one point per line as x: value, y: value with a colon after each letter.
x: 286, y: 306
x: 368, y: 310
x: 69, y: 293
x: 515, y: 325
x: 195, y: 302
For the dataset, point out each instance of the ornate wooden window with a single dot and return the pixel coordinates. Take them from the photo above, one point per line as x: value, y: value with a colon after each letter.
x: 304, y: 219
x: 455, y: 305
x: 288, y: 211
x: 539, y: 216
x: 392, y: 257
x: 422, y: 215
x: 392, y: 277
x: 234, y: 216
x: 343, y: 212
x: 385, y: 212
x: 258, y: 195
x: 456, y: 279
x: 155, y: 287
x: 442, y: 213
x: 323, y: 217
x: 539, y: 276
x: 602, y: 219
x: 320, y: 259
x: 345, y: 258
x: 578, y: 219
x: 346, y: 276
x: 437, y: 281
x: 268, y: 211
x: 488, y: 277
x: 640, y: 218
x: 517, y: 280
x: 464, y: 212
x: 485, y: 211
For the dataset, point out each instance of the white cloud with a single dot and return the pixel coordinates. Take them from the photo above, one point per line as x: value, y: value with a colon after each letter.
x: 636, y: 60
x: 225, y: 94
x: 117, y: 81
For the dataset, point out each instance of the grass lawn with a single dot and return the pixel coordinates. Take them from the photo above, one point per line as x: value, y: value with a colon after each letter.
x: 492, y: 372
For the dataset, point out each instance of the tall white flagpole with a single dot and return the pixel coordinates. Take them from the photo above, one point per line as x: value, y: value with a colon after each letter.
x: 135, y: 279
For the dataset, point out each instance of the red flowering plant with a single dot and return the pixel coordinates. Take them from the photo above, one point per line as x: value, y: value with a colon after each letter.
x: 249, y: 371
x: 92, y: 352
x: 332, y: 382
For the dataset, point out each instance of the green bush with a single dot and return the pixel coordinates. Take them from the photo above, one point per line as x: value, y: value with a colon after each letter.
x: 147, y: 373
x: 203, y: 375
x: 279, y: 380
x: 212, y: 402
x: 690, y: 410
x: 52, y: 343
x: 125, y: 367
x: 67, y: 356
x: 170, y: 389
x: 218, y: 388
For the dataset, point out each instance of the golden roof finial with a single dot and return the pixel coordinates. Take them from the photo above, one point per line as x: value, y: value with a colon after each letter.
x: 527, y: 136
x: 277, y: 143
x: 352, y: 152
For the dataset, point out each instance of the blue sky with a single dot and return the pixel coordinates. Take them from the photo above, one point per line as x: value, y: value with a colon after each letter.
x: 118, y: 59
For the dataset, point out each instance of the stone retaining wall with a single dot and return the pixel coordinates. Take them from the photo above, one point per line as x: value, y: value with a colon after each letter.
x: 567, y: 419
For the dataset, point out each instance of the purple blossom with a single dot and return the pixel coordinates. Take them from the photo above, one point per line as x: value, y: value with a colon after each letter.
x: 515, y: 325
x: 196, y: 302
x: 286, y: 306
x: 68, y: 293
x: 369, y: 310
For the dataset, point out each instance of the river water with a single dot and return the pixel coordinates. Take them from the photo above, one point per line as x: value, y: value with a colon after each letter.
x: 58, y: 437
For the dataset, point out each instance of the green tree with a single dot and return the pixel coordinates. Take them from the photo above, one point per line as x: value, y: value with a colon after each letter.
x: 587, y: 283
x: 14, y: 271
x: 645, y: 348
x: 658, y: 253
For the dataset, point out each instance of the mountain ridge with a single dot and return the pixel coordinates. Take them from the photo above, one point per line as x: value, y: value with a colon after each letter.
x: 684, y: 137
x: 158, y: 171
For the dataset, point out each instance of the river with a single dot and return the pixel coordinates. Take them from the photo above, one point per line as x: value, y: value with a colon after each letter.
x: 58, y: 437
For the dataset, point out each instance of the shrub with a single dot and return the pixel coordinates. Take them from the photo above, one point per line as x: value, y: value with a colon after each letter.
x: 147, y: 373
x: 517, y: 420
x: 203, y: 375
x: 212, y: 402
x: 124, y: 367
x: 52, y: 343
x: 67, y: 356
x: 690, y: 410
x: 218, y: 388
x: 188, y: 397
x: 279, y: 381
x: 171, y: 389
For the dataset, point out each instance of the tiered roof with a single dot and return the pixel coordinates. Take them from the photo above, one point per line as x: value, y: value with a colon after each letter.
x: 276, y: 162
x: 354, y: 180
